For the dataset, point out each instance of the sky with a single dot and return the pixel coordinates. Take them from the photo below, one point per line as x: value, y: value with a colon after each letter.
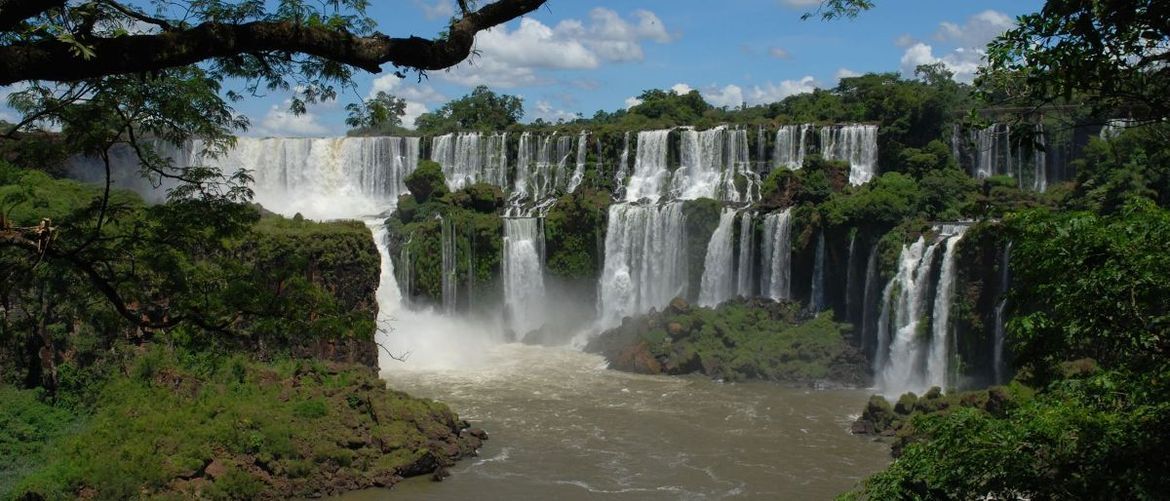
x: 574, y: 57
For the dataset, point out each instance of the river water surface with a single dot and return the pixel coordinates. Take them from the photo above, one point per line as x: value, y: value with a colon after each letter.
x: 564, y: 427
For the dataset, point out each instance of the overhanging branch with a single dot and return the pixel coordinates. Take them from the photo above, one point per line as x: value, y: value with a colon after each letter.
x: 54, y: 60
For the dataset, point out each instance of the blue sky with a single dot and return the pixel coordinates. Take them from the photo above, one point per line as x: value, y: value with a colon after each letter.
x: 577, y: 57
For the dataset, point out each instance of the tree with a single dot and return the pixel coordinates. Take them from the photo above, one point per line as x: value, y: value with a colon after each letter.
x: 481, y: 110
x: 382, y: 113
x: 59, y: 41
x: 1110, y: 54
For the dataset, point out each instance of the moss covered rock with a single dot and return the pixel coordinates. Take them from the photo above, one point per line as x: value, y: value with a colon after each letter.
x: 742, y: 339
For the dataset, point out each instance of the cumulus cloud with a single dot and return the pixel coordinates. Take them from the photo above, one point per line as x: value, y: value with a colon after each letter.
x: 632, y: 102
x: 770, y: 92
x: 846, y: 73
x: 280, y: 122
x: 418, y: 97
x: 962, y: 46
x: 779, y: 53
x: 729, y: 96
x: 904, y: 41
x: 732, y: 96
x: 547, y: 112
x: 514, y: 57
x: 681, y: 88
x: 439, y: 9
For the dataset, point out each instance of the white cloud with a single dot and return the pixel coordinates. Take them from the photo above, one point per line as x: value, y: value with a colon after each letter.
x: 770, y: 92
x: 280, y: 122
x: 729, y: 96
x: 439, y: 9
x: 545, y: 111
x: 846, y: 73
x: 514, y: 58
x: 779, y: 53
x: 632, y: 102
x: 799, y: 3
x: 976, y: 31
x: 963, y: 44
x: 681, y: 88
x: 904, y: 41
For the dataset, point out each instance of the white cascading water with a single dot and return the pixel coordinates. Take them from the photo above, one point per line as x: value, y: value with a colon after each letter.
x: 701, y: 169
x: 986, y: 149
x: 869, y: 296
x: 1040, y: 161
x: 523, y: 270
x: 564, y: 149
x: 449, y: 272
x: 776, y: 256
x: 745, y: 271
x: 622, y: 170
x: 856, y: 144
x: 471, y: 157
x: 579, y: 169
x: 651, y: 174
x: 325, y: 178
x: 850, y: 278
x: 818, y: 279
x: 645, y: 262
x: 718, y: 281
x: 711, y: 162
x: 898, y: 364
x: 998, y: 363
x: 789, y: 149
x: 536, y: 171
x: 912, y: 356
x: 942, y: 343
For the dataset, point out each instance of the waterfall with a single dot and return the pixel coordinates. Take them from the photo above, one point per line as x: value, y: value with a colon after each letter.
x: 471, y: 157
x: 449, y: 272
x: 561, y: 174
x: 320, y: 178
x: 1000, y: 311
x: 405, y: 276
x: 913, y: 356
x: 623, y: 169
x: 747, y: 259
x: 523, y: 274
x: 789, y: 149
x: 868, y: 302
x: 776, y: 256
x: 898, y: 364
x: 850, y: 278
x: 650, y: 169
x: 645, y: 261
x: 536, y: 172
x: 855, y: 144
x: 986, y: 142
x: 818, y: 278
x: 579, y: 170
x: 701, y: 158
x: 711, y: 162
x: 1040, y: 161
x: 718, y: 283
x: 941, y: 341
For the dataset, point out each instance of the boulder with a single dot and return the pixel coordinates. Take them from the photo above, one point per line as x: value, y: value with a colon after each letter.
x: 679, y: 306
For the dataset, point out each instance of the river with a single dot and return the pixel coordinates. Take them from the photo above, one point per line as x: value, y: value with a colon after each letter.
x: 564, y: 427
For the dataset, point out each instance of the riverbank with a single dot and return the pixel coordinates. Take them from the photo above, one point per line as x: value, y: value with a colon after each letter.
x: 229, y: 428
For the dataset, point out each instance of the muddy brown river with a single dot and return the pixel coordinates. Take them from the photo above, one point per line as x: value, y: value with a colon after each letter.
x: 564, y: 427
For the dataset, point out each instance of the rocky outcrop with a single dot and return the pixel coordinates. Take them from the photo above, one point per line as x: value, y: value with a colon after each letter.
x: 741, y: 339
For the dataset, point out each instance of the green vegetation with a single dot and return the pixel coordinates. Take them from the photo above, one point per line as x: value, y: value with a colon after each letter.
x: 179, y: 423
x: 574, y: 231
x: 757, y: 339
x: 416, y: 234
